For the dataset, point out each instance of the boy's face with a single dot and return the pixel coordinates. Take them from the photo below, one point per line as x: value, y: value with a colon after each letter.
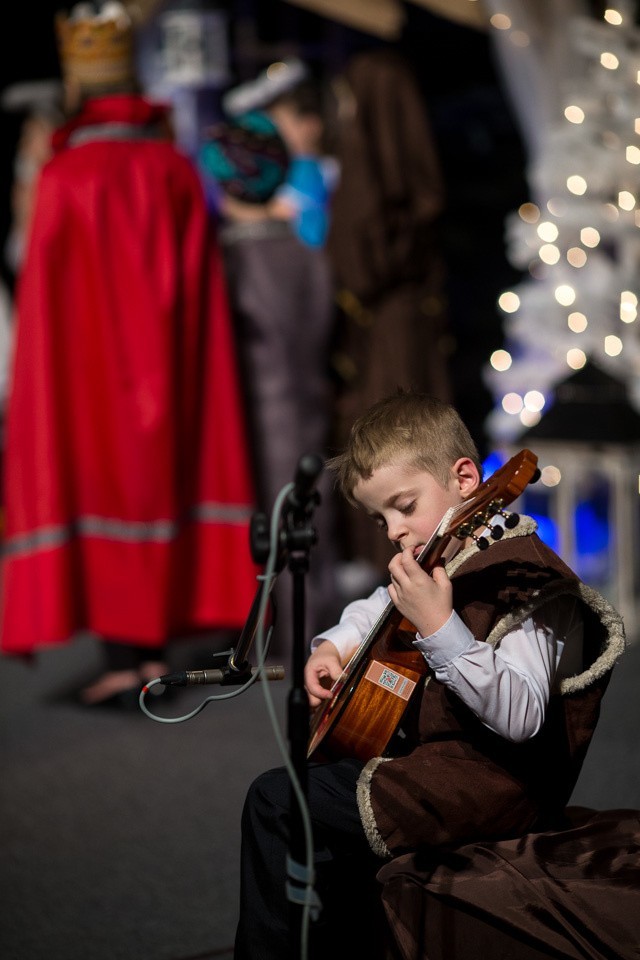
x: 408, y: 503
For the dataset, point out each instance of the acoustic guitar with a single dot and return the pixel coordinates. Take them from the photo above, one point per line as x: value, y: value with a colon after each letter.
x: 372, y: 694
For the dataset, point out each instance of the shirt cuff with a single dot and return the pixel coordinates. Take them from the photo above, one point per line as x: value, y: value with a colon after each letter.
x: 341, y: 637
x: 450, y: 641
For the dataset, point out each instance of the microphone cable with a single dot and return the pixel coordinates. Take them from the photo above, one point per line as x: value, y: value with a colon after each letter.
x: 262, y: 644
x: 310, y: 901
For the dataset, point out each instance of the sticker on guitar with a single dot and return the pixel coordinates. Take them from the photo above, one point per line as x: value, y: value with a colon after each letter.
x: 398, y: 684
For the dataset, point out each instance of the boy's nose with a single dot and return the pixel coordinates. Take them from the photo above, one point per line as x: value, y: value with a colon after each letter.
x: 395, y: 534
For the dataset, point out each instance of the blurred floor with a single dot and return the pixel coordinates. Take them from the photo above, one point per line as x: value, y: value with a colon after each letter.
x: 120, y: 835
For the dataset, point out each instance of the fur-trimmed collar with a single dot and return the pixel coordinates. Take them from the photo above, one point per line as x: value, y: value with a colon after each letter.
x: 611, y: 619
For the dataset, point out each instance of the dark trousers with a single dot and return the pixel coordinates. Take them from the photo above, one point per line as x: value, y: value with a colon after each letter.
x: 351, y: 921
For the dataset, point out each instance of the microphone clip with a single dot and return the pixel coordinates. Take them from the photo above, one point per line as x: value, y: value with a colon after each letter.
x: 303, y: 498
x: 227, y: 676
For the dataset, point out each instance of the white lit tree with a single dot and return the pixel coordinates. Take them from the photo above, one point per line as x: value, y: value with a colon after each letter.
x: 575, y: 81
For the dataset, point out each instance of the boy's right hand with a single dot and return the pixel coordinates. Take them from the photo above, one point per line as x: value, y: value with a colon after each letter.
x: 322, y: 668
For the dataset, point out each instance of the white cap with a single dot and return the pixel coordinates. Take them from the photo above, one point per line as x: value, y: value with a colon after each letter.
x: 256, y: 94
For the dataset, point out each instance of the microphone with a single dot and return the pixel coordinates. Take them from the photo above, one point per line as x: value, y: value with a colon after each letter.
x: 308, y: 470
x: 188, y: 678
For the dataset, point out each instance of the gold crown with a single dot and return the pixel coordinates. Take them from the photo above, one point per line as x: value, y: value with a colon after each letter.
x: 96, y: 51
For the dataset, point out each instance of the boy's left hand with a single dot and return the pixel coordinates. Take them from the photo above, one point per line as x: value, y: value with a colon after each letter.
x: 424, y: 599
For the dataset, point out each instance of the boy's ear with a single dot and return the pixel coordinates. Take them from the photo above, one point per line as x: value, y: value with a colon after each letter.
x: 466, y: 476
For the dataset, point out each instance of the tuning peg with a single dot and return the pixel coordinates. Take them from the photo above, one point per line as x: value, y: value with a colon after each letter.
x: 535, y: 476
x: 481, y: 542
x: 496, y: 531
x: 511, y: 520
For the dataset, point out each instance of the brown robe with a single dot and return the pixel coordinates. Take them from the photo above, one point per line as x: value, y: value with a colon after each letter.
x: 499, y: 866
x: 572, y: 894
x: 383, y: 248
x: 461, y: 781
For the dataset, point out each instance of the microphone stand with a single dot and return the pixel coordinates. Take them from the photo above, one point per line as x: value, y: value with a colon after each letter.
x: 295, y: 540
x: 237, y: 669
x: 298, y: 537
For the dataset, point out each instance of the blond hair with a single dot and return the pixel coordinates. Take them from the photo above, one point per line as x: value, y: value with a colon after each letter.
x: 412, y: 427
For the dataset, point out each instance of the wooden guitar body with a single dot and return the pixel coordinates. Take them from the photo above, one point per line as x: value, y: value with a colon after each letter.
x: 373, y: 692
x: 370, y: 700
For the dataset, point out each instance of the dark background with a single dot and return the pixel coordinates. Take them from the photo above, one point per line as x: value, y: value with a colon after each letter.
x: 475, y: 132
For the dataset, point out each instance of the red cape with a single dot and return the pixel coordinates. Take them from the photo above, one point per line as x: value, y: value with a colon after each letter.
x: 127, y: 490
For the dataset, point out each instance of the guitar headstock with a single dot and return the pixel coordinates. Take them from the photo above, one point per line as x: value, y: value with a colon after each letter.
x: 491, y: 497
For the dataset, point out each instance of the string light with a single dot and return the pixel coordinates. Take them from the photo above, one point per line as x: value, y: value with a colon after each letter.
x: 534, y: 401
x: 576, y: 257
x: 547, y: 231
x: 556, y: 207
x: 512, y: 403
x: 500, y: 21
x: 509, y: 301
x: 613, y: 17
x: 529, y: 212
x: 590, y: 203
x: 589, y: 236
x: 529, y: 418
x: 550, y: 476
x: 577, y: 322
x: 500, y: 360
x: 609, y: 61
x: 577, y: 185
x: 628, y: 306
x: 576, y: 358
x: 565, y: 294
x: 574, y: 114
x: 612, y: 345
x: 549, y: 253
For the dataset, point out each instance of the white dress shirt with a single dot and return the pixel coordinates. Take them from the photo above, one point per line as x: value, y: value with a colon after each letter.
x: 507, y: 686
